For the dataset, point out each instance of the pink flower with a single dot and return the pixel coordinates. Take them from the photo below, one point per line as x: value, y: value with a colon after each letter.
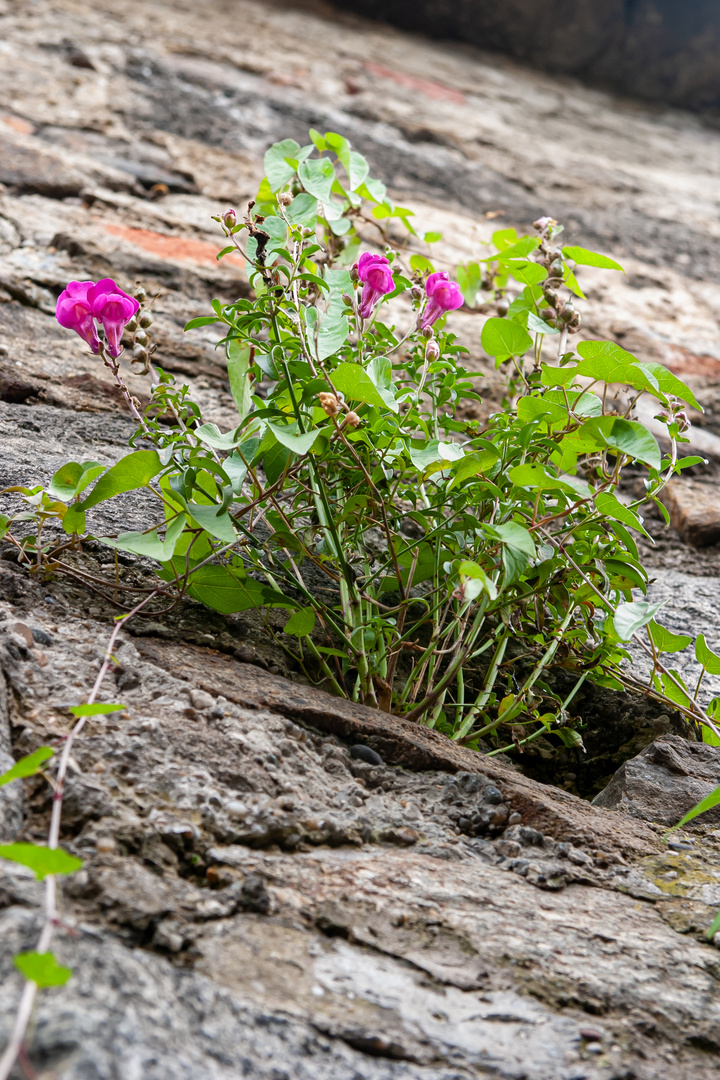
x: 74, y: 312
x: 113, y: 308
x: 443, y: 295
x: 376, y: 276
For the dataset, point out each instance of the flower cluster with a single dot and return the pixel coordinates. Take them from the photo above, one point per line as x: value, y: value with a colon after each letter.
x: 84, y: 302
x: 374, y: 272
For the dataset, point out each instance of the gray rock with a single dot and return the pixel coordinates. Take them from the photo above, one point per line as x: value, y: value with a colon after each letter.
x: 665, y: 781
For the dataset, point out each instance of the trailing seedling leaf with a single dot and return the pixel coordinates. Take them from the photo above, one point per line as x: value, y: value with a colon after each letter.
x: 28, y: 765
x: 42, y: 968
x: 301, y: 623
x: 41, y: 860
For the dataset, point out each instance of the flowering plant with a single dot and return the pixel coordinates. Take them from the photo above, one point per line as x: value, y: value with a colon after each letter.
x: 468, y: 575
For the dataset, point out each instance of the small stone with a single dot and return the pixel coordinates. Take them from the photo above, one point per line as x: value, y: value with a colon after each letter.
x: 492, y: 795
x: 24, y: 632
x: 365, y: 753
x: 236, y: 809
x: 40, y: 637
x: 515, y: 819
x: 128, y: 680
x: 590, y: 1034
x: 201, y: 700
x: 594, y: 1048
x: 105, y: 845
x: 255, y: 896
x: 694, y: 509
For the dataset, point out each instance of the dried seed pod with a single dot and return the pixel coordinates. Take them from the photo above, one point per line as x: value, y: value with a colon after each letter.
x: 140, y: 294
x: 285, y: 198
x: 141, y: 338
x: 145, y: 320
x: 503, y: 306
x: 353, y: 420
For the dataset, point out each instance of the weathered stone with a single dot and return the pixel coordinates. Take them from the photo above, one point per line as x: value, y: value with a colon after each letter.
x: 694, y: 511
x: 665, y: 781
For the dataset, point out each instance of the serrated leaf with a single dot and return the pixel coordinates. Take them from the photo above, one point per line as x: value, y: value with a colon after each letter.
x: 41, y: 860
x: 42, y: 968
x: 27, y: 766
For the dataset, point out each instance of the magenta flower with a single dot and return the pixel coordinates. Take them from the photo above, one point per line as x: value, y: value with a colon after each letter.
x: 74, y: 312
x: 376, y: 276
x: 113, y: 308
x: 443, y: 295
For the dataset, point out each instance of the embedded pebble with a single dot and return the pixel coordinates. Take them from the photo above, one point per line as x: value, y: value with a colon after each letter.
x: 200, y: 700
x: 365, y: 753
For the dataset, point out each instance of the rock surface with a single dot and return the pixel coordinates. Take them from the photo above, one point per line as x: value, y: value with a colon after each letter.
x: 258, y: 896
x: 694, y: 511
x: 660, y: 49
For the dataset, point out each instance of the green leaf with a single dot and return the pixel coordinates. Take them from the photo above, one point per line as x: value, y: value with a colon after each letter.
x: 503, y: 338
x: 286, y: 435
x: 303, y: 210
x: 203, y: 320
x: 238, y: 369
x: 536, y: 325
x: 357, y: 171
x: 631, y: 617
x: 333, y: 330
x: 480, y: 462
x: 670, y: 384
x: 42, y: 860
x: 218, y: 525
x: 356, y: 385
x: 277, y: 169
x: 611, y: 507
x: 73, y: 521
x: 220, y: 590
x: 42, y: 968
x: 705, y: 656
x: 518, y: 548
x: 503, y: 238
x: 519, y: 250
x: 301, y: 623
x: 98, y: 708
x: 149, y: 544
x: 317, y: 176
x: 73, y: 477
x: 27, y: 766
x: 528, y: 272
x: 584, y: 257
x: 627, y: 436
x: 421, y: 264
x: 211, y: 435
x: 537, y: 477
x: 432, y: 237
x: 134, y: 471
x: 665, y: 641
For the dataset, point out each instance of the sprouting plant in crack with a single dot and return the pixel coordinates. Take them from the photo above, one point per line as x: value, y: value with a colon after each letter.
x: 466, y: 575
x: 39, y: 966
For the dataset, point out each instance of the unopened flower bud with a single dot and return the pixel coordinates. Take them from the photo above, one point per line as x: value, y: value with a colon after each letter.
x: 416, y: 292
x: 140, y: 294
x: 229, y: 219
x: 354, y: 276
x: 542, y: 223
x: 285, y: 198
x: 348, y: 300
x: 353, y: 420
x: 682, y: 421
x: 329, y: 403
x: 503, y: 306
x: 145, y: 320
x: 427, y: 332
x: 432, y: 351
